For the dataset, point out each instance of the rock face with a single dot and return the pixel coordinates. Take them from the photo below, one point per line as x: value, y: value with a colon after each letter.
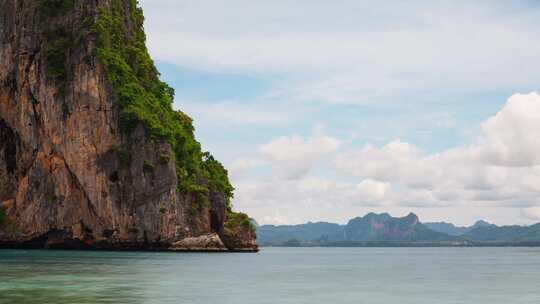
x: 71, y: 175
x: 207, y: 242
x: 453, y: 230
x: 369, y: 230
x: 383, y: 227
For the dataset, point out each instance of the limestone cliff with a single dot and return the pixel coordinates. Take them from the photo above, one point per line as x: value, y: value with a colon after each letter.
x: 91, y: 153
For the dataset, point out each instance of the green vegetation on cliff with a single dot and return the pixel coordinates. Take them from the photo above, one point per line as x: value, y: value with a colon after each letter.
x: 217, y: 175
x: 2, y: 216
x: 238, y: 222
x: 55, y: 7
x: 144, y: 99
x: 58, y: 44
x: 60, y: 39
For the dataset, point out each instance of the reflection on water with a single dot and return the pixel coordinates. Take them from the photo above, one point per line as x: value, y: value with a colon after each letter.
x: 276, y: 275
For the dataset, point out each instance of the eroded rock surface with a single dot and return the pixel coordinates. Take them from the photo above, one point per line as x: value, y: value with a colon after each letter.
x: 206, y: 242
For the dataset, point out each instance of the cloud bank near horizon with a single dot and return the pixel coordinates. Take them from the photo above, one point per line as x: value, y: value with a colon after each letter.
x: 500, y: 169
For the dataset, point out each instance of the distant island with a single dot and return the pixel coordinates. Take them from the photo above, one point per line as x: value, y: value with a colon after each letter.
x: 383, y: 230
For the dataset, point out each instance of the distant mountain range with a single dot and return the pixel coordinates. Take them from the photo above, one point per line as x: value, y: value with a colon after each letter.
x: 385, y: 230
x: 451, y: 229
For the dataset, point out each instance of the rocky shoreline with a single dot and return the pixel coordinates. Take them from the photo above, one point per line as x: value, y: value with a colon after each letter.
x: 204, y: 243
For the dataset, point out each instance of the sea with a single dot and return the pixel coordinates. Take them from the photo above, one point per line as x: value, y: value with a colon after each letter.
x: 274, y: 275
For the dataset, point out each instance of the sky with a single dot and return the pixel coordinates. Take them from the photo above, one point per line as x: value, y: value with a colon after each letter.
x: 327, y: 110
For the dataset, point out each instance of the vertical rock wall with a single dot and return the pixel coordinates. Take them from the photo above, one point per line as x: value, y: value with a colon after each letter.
x: 69, y: 177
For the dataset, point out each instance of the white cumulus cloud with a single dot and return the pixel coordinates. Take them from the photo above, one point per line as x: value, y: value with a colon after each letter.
x: 501, y: 166
x: 294, y: 156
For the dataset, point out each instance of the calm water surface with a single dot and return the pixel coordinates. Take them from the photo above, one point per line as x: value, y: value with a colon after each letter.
x: 275, y: 275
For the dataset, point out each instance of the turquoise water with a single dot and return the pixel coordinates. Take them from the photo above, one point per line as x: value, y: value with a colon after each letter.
x: 275, y: 275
